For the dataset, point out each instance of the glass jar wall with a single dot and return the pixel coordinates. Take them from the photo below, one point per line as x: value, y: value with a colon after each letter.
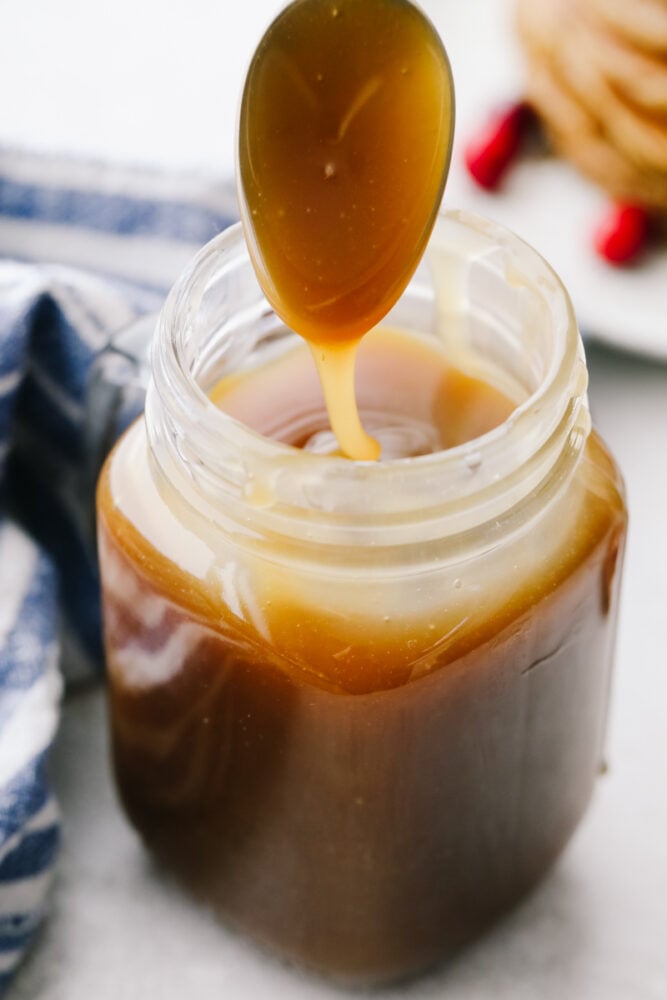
x: 360, y: 707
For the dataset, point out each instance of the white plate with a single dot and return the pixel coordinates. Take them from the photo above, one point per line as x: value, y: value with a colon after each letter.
x: 543, y: 200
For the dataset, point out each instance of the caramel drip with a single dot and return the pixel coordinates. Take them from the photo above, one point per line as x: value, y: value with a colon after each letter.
x: 344, y: 144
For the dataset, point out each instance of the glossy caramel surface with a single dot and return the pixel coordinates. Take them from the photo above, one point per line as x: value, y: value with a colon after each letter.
x: 410, y: 396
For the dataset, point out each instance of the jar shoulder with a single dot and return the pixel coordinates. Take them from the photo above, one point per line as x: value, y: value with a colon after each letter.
x: 603, y: 477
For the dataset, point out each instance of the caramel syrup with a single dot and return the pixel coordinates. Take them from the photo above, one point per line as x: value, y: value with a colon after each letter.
x: 410, y: 395
x: 344, y: 144
x: 360, y: 776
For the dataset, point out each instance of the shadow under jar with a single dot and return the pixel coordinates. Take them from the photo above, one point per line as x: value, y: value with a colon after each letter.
x: 361, y: 707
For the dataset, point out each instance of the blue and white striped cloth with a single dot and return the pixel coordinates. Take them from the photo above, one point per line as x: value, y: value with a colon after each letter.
x: 84, y: 250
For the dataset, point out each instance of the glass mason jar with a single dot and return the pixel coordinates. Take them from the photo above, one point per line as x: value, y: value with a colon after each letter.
x: 361, y: 707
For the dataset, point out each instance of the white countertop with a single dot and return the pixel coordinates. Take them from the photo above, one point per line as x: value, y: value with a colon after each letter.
x: 596, y: 929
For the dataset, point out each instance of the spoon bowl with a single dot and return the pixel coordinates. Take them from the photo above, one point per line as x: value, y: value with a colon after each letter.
x: 345, y: 137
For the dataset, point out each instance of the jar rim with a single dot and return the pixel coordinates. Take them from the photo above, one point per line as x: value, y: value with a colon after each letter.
x: 228, y: 454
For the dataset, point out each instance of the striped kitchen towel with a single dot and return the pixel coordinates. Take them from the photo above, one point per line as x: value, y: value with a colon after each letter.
x: 85, y: 249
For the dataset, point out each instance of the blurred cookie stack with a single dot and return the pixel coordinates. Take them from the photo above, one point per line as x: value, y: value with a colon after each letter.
x: 597, y: 77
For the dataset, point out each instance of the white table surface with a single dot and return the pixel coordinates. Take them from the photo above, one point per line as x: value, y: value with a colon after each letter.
x: 157, y: 83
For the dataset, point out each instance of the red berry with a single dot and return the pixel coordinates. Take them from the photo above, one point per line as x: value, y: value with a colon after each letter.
x: 623, y: 233
x: 488, y: 155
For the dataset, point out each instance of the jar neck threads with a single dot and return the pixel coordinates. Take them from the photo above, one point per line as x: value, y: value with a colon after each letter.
x: 488, y: 297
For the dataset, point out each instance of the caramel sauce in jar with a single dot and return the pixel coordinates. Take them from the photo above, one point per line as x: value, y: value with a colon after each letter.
x: 360, y: 707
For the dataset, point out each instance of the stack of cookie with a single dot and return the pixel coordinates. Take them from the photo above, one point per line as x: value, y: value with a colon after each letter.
x: 597, y: 76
